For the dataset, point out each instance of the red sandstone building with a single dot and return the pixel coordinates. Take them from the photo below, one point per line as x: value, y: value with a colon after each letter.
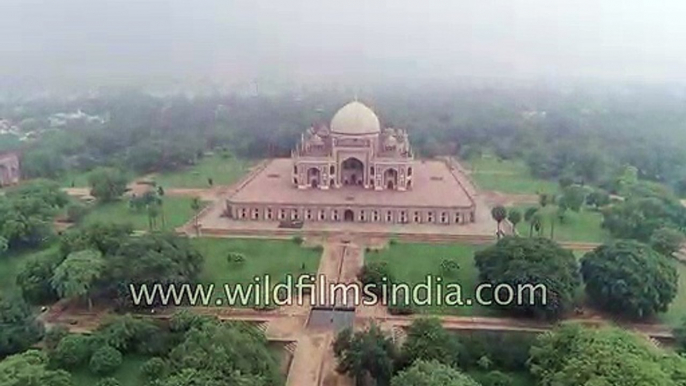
x: 354, y: 171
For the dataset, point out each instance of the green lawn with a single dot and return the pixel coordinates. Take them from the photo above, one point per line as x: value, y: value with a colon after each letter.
x: 411, y: 262
x: 584, y: 226
x: 511, y: 176
x: 275, y: 258
x: 128, y: 374
x: 177, y: 211
x: 677, y: 310
x: 222, y: 171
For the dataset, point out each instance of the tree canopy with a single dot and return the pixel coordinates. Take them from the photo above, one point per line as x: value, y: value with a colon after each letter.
x: 516, y: 261
x: 629, y: 278
x: 432, y: 373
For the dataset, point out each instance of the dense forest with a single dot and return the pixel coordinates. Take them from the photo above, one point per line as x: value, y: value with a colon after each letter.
x: 584, y: 133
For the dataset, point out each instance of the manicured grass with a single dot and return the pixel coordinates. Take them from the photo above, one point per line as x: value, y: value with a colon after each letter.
x: 11, y: 263
x: 223, y: 171
x: 129, y: 374
x: 275, y: 258
x: 511, y: 176
x: 177, y: 211
x: 584, y: 226
x: 677, y: 310
x: 411, y: 263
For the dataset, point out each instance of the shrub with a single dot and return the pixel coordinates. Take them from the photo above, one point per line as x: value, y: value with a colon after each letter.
x: 298, y: 240
x: 105, y: 360
x: 154, y: 368
x: 76, y: 212
x: 108, y: 382
x: 235, y: 258
x: 496, y: 378
x: 449, y: 267
x: 55, y: 335
x: 72, y: 351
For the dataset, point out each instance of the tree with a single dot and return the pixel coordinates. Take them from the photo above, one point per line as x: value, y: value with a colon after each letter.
x: 667, y: 241
x: 108, y: 382
x: 153, y: 211
x: 30, y: 368
x: 428, y: 340
x: 573, y: 197
x: 196, y: 206
x: 432, y: 373
x: 225, y: 354
x: 499, y: 214
x: 598, y: 198
x: 76, y: 275
x: 542, y: 263
x: 105, y: 360
x: 19, y: 329
x: 4, y: 245
x: 76, y: 212
x: 72, y: 351
x: 515, y: 217
x: 107, y: 184
x: 34, y: 279
x: 629, y: 278
x: 374, y: 274
x: 154, y: 368
x: 573, y: 355
x: 365, y: 354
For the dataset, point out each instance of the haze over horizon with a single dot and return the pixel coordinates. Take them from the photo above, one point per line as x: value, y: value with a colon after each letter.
x: 128, y: 41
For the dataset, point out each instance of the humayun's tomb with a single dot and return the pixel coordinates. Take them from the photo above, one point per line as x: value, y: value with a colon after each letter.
x: 354, y: 171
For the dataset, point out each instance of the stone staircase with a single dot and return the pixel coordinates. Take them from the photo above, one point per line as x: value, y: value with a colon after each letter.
x: 291, y: 347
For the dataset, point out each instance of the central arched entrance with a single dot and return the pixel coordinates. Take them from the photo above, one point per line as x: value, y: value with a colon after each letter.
x: 352, y: 172
x: 391, y: 179
x: 313, y: 176
x: 348, y: 215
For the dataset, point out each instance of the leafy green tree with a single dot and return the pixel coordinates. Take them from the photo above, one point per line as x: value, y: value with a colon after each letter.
x: 598, y: 198
x: 573, y: 197
x: 374, y: 274
x: 667, y: 241
x: 499, y: 214
x: 107, y: 184
x: 365, y: 354
x: 154, y: 368
x: 196, y: 206
x: 104, y: 237
x: 515, y: 217
x: 72, y: 351
x: 34, y: 279
x: 30, y: 368
x: 629, y: 278
x: 108, y: 382
x: 105, y: 360
x: 76, y: 275
x: 428, y: 340
x: 19, y: 329
x: 552, y: 270
x: 573, y: 355
x: 129, y: 334
x: 76, y: 212
x: 432, y: 373
x: 225, y: 354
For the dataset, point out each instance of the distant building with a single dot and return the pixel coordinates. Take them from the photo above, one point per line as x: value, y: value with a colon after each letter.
x: 9, y: 169
x: 354, y: 171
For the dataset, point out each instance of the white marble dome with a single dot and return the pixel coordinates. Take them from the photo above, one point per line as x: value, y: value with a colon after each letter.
x: 355, y: 119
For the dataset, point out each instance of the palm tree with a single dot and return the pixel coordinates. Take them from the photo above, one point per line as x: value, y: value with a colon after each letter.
x: 515, y: 217
x: 153, y: 213
x: 195, y: 206
x: 499, y: 214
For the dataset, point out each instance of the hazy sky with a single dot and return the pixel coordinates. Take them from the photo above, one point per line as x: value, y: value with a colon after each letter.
x: 227, y: 40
